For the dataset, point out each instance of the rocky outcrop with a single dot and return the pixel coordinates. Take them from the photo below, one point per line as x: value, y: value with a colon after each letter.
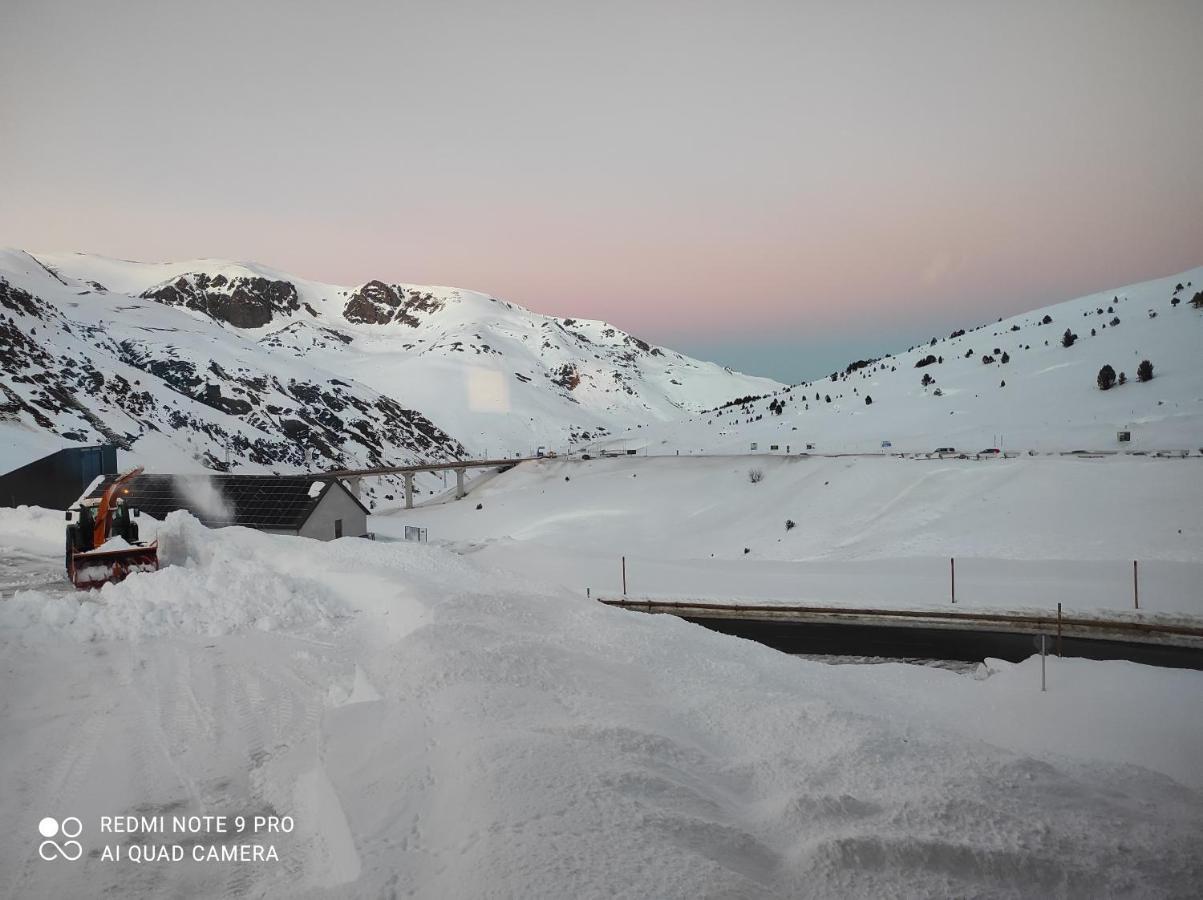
x: 566, y: 376
x: 241, y: 302
x: 78, y: 381
x: 373, y: 304
x: 377, y: 303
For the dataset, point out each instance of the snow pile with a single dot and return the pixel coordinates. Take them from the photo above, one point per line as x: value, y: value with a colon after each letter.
x: 468, y: 732
x: 212, y: 582
x: 553, y: 748
x: 116, y: 542
x: 31, y: 530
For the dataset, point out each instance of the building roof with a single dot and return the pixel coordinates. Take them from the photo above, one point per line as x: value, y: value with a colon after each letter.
x: 257, y: 501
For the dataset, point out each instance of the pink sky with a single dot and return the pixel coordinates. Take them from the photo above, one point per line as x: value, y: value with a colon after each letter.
x: 693, y: 172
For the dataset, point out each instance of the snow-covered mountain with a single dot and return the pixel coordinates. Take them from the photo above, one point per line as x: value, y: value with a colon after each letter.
x: 1013, y: 383
x: 216, y: 363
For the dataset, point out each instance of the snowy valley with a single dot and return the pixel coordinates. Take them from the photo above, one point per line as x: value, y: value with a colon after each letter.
x: 461, y: 717
x: 586, y: 451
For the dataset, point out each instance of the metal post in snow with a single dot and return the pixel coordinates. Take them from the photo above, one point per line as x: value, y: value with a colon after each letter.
x: 1058, y: 629
x: 952, y: 571
x: 588, y: 593
x: 1135, y: 586
x: 624, y: 576
x: 1043, y: 683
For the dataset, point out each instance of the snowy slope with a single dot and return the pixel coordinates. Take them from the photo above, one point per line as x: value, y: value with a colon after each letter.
x: 179, y: 389
x: 1027, y: 533
x: 1009, y: 383
x: 440, y: 728
x: 843, y: 508
x: 492, y: 375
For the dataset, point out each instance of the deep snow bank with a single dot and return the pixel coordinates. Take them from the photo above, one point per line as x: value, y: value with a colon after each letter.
x: 211, y: 582
x: 30, y: 530
x: 581, y: 753
x: 468, y: 732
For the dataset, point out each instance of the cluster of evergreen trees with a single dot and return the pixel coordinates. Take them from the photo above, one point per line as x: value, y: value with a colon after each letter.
x: 1107, y: 379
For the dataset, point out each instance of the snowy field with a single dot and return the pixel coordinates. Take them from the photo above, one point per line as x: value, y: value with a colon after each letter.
x: 1027, y: 533
x: 440, y: 723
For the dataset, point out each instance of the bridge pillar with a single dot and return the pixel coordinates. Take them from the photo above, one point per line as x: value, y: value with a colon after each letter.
x: 409, y: 489
x: 459, y: 483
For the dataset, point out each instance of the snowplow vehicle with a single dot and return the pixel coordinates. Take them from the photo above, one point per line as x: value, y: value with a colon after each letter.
x: 102, y: 539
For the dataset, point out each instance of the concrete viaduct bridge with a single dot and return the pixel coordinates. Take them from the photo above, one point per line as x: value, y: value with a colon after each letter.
x: 459, y: 466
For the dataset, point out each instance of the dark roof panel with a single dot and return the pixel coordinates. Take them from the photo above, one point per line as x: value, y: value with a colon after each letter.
x: 256, y: 501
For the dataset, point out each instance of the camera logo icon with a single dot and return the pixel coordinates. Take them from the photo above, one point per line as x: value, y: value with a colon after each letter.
x: 69, y: 828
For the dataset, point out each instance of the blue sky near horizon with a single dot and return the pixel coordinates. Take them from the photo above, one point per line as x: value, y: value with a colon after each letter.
x: 791, y: 360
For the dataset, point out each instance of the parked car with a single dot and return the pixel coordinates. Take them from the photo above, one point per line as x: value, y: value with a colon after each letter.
x: 990, y: 451
x: 941, y: 451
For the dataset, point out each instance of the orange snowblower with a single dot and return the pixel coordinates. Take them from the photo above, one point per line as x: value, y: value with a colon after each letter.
x: 102, y: 539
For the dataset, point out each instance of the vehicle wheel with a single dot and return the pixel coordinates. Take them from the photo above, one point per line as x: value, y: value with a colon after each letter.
x: 71, y: 532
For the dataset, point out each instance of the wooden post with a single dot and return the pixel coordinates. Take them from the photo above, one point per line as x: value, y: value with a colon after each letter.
x: 624, y: 576
x: 1135, y: 586
x: 1058, y: 629
x: 952, y: 570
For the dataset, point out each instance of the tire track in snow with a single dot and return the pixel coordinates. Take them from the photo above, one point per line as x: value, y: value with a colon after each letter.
x: 66, y: 779
x: 240, y: 879
x: 279, y: 713
x: 861, y: 527
x: 168, y: 718
x: 321, y: 851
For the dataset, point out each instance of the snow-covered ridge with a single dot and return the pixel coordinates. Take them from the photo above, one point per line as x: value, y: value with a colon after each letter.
x: 219, y: 363
x: 1017, y: 383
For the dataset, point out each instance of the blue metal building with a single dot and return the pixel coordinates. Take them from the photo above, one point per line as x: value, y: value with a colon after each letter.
x: 58, y: 480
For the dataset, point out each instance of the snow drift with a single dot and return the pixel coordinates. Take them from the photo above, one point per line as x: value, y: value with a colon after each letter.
x: 442, y: 728
x: 206, y: 587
